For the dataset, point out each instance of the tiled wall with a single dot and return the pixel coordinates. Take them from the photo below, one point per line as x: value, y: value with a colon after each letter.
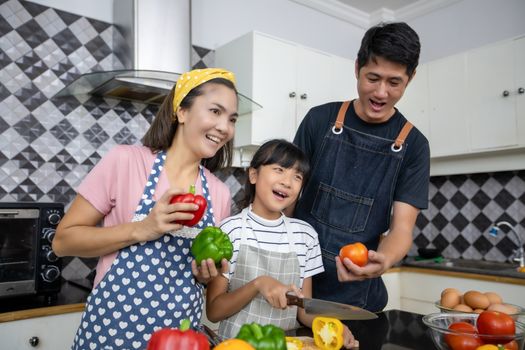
x: 47, y: 146
x: 463, y: 208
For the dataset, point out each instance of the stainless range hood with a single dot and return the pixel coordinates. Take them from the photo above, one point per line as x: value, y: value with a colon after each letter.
x: 144, y: 86
x: 154, y: 44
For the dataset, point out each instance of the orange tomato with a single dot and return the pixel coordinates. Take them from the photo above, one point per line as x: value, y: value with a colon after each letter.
x: 356, y: 252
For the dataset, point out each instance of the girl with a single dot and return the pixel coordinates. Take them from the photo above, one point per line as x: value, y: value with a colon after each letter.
x: 146, y: 279
x: 273, y: 254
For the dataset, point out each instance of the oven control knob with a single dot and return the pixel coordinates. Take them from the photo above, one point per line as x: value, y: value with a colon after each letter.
x: 54, y: 218
x: 49, y: 234
x: 51, y: 256
x: 51, y: 273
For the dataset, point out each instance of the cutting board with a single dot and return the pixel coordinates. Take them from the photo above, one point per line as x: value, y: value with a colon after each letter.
x: 308, y: 343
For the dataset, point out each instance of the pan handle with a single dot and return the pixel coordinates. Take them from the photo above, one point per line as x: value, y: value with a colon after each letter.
x: 293, y: 299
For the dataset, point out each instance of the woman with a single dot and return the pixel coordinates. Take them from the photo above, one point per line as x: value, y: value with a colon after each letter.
x: 146, y: 279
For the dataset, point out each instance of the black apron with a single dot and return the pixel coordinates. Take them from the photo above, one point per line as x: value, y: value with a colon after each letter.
x: 349, y: 199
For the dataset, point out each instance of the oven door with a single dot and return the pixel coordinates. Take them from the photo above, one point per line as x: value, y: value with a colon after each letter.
x: 18, y: 250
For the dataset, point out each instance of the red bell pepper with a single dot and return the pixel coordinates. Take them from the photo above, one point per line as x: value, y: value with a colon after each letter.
x: 191, y: 197
x: 178, y: 339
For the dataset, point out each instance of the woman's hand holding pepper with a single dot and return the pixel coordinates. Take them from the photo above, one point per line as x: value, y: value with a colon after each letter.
x: 348, y: 271
x: 161, y: 217
x: 274, y: 291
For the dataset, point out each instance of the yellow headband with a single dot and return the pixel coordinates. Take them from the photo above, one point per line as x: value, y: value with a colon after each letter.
x: 190, y: 80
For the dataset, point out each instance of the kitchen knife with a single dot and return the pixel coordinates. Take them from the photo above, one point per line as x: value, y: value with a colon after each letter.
x: 330, y: 309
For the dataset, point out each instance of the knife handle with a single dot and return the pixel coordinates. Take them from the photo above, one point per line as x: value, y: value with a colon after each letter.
x: 293, y: 299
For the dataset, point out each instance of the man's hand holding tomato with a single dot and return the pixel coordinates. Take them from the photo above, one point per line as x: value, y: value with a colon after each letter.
x: 373, y: 264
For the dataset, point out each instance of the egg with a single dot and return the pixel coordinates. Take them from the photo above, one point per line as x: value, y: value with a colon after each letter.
x: 450, y: 299
x: 447, y: 290
x: 462, y: 308
x: 478, y: 311
x: 505, y: 308
x: 476, y: 300
x: 494, y: 298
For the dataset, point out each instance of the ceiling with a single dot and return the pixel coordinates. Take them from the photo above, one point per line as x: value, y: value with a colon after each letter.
x: 365, y: 13
x: 371, y: 6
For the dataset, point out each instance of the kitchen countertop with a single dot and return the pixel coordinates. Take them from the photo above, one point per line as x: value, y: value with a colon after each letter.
x: 486, y: 270
x: 71, y: 298
x: 73, y: 295
x: 392, y: 330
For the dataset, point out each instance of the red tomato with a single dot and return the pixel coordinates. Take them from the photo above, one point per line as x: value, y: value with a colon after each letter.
x: 356, y: 252
x: 462, y: 341
x: 496, y: 323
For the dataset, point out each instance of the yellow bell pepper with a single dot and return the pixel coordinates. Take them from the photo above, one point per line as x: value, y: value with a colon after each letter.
x: 293, y: 343
x: 328, y: 333
x: 490, y: 347
x: 234, y: 344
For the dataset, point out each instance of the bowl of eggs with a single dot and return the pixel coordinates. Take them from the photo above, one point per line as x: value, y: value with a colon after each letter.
x: 472, y: 301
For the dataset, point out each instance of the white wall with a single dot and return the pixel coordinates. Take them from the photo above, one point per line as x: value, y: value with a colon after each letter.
x: 468, y: 24
x: 461, y: 26
x: 96, y: 9
x: 216, y: 22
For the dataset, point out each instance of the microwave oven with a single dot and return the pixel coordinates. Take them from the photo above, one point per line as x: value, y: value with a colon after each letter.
x: 28, y: 264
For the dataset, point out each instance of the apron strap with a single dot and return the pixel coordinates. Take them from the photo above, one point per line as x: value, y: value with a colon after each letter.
x: 398, y: 143
x: 338, y: 127
x: 400, y: 139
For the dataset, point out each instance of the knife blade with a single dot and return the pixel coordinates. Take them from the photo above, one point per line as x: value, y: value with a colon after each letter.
x: 330, y: 308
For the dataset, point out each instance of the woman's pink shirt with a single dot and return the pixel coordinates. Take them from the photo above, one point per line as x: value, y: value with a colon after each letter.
x: 115, y: 186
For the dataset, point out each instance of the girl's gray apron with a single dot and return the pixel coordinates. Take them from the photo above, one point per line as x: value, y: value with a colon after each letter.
x: 149, y: 286
x: 253, y: 262
x: 349, y: 199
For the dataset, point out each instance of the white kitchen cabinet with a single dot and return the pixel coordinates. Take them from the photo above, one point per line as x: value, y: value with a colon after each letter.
x: 493, y: 85
x: 343, y: 82
x: 458, y: 104
x: 393, y: 286
x: 434, y: 102
x: 447, y: 93
x: 285, y: 78
x: 519, y: 87
x: 414, y: 103
x: 53, y: 332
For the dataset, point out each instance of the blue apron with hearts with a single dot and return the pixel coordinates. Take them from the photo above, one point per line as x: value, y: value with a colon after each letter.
x: 149, y: 286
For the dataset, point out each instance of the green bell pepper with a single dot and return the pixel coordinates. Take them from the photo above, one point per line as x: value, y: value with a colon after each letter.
x: 267, y: 337
x: 212, y: 243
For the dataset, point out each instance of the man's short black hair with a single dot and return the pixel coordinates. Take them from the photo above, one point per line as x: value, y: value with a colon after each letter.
x: 396, y: 42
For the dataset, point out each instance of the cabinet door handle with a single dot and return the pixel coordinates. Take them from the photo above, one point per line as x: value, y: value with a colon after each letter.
x: 33, y: 341
x: 291, y: 94
x: 304, y: 96
x: 506, y: 93
x: 521, y: 90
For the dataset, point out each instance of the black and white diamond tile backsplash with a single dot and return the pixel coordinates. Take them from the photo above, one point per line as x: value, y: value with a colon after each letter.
x: 462, y: 209
x: 47, y: 146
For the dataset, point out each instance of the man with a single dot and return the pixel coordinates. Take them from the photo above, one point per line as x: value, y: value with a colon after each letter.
x: 370, y: 170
